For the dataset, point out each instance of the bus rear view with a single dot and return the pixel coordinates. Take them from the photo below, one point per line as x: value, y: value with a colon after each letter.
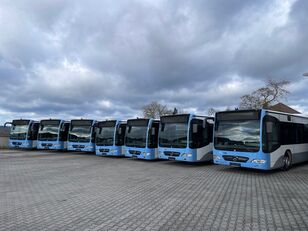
x: 186, y: 137
x: 110, y: 136
x: 53, y: 134
x: 23, y: 134
x: 141, y: 139
x: 81, y: 136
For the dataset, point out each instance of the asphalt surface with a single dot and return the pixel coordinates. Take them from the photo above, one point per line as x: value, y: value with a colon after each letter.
x: 78, y: 191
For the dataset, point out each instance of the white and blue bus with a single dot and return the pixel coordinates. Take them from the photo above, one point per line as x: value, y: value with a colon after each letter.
x: 141, y: 139
x: 81, y: 135
x: 53, y: 134
x: 23, y: 134
x: 260, y: 139
x: 110, y: 135
x: 186, y: 137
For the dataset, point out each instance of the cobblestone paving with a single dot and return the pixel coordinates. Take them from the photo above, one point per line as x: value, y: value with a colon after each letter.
x: 76, y: 191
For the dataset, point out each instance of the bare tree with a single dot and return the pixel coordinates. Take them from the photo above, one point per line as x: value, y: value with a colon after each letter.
x: 155, y: 110
x: 264, y: 97
x: 211, y: 111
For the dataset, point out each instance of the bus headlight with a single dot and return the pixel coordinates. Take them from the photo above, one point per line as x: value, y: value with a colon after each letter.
x: 258, y: 161
x: 215, y: 157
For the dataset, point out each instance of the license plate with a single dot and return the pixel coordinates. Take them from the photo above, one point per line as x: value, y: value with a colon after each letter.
x: 171, y: 158
x: 78, y: 149
x: 46, y: 148
x: 235, y: 164
x: 135, y: 156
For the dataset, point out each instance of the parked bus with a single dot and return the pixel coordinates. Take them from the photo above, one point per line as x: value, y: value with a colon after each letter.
x: 260, y: 139
x: 23, y: 133
x: 141, y: 138
x: 81, y: 136
x: 110, y: 136
x: 53, y: 134
x: 186, y: 137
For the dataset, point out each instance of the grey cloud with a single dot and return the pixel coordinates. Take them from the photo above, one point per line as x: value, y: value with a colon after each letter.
x: 188, y: 54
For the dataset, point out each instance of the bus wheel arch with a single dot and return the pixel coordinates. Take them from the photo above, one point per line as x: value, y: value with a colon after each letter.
x: 287, y: 160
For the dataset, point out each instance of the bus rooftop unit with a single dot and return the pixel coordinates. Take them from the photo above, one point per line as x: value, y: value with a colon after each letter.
x: 141, y: 138
x: 53, y: 134
x: 186, y: 137
x: 23, y: 133
x: 81, y: 136
x: 110, y: 136
x: 260, y: 139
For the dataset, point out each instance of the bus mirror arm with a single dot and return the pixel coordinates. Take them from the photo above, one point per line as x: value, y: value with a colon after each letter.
x: 6, y: 123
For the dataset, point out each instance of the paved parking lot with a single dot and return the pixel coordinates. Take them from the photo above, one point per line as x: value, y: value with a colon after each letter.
x: 77, y: 191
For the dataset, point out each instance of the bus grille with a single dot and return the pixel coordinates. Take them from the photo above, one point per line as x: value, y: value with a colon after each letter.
x: 134, y: 152
x: 235, y: 158
x: 16, y: 143
x: 169, y: 153
x: 104, y: 150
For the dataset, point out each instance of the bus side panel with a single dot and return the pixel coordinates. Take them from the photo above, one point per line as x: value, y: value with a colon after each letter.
x: 205, y: 153
x: 299, y: 154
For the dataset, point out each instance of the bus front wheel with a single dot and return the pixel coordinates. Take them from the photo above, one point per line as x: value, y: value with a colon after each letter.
x: 287, y: 161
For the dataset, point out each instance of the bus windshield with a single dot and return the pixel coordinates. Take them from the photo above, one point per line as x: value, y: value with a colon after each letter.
x: 237, y: 135
x: 136, y: 136
x: 48, y: 132
x: 19, y: 132
x: 80, y: 133
x: 173, y: 135
x: 105, y: 136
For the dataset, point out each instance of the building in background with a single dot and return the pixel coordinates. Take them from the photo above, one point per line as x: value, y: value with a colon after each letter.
x: 4, y: 137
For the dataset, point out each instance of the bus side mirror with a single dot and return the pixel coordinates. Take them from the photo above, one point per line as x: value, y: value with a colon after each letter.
x: 162, y: 127
x: 153, y: 130
x: 6, y: 123
x: 269, y: 127
x: 129, y: 129
x: 195, y: 128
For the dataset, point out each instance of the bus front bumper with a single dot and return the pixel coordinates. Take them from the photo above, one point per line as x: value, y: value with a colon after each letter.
x: 246, y: 160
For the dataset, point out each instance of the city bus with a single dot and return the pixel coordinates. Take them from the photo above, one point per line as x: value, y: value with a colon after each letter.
x: 260, y: 139
x: 186, y: 137
x: 81, y: 135
x: 23, y: 133
x: 110, y: 136
x: 141, y: 138
x: 53, y: 134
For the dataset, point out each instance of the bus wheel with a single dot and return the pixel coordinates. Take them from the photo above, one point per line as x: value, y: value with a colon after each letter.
x: 287, y: 161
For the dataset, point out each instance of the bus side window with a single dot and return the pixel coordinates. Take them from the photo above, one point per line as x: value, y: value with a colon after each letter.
x: 198, y: 134
x: 93, y: 135
x: 306, y: 133
x: 209, y: 131
x: 33, y: 131
x: 64, y: 132
x: 271, y: 134
x: 120, y: 135
x: 153, y: 135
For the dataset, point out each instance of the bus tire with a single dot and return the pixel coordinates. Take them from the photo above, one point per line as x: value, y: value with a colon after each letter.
x: 287, y: 161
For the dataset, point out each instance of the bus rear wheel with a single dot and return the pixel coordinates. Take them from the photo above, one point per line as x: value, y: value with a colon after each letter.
x: 287, y: 161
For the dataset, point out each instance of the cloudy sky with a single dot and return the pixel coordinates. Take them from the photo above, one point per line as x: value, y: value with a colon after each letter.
x: 106, y: 59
